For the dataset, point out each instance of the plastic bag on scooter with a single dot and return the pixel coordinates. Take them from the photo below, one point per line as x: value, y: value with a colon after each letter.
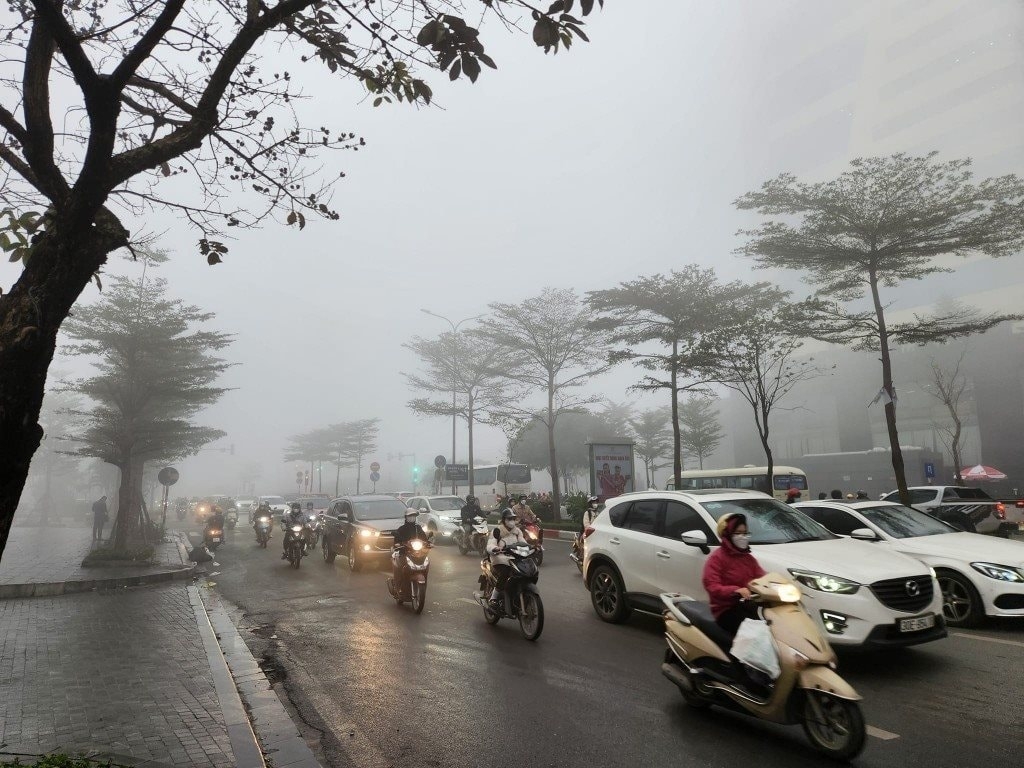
x: 754, y: 647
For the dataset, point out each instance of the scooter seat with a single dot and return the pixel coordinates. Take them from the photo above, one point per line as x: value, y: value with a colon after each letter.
x: 700, y: 615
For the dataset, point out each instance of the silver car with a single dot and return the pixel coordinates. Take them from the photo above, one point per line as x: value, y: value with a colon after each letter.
x: 440, y: 515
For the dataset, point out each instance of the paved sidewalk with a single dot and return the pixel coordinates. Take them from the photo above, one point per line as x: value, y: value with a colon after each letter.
x: 48, y: 561
x: 117, y: 673
x: 155, y: 676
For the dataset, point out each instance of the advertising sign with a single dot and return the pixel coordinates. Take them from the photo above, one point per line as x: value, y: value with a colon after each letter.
x: 611, y: 469
x: 456, y: 473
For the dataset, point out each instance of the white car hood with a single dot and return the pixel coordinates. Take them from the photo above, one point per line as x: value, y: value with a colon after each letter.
x: 859, y: 561
x: 382, y: 525
x: 966, y: 547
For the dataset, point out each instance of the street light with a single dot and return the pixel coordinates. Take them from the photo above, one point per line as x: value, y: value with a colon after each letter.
x: 455, y: 330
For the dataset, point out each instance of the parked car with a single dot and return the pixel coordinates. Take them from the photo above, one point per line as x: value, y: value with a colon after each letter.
x: 968, y: 509
x: 362, y: 528
x: 440, y: 515
x: 978, y: 575
x: 861, y: 595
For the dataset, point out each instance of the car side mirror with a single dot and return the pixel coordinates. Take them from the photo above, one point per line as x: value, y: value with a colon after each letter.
x: 424, y: 509
x: 864, y: 534
x: 697, y: 539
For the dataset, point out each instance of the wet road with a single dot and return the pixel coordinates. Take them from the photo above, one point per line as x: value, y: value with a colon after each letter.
x: 385, y: 687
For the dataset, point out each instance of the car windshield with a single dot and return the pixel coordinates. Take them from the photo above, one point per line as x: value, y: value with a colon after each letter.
x: 903, y: 522
x: 446, y: 503
x: 771, y: 521
x: 379, y: 509
x: 272, y: 500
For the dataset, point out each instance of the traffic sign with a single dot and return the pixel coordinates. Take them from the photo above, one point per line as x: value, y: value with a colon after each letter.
x: 457, y: 473
x: 168, y: 476
x: 439, y: 461
x: 374, y: 476
x: 375, y: 467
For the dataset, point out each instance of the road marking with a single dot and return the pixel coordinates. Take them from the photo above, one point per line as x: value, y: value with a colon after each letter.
x: 467, y: 600
x: 988, y: 639
x: 878, y: 733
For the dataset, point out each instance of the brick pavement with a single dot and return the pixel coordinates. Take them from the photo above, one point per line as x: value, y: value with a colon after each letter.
x: 36, y: 555
x: 133, y: 681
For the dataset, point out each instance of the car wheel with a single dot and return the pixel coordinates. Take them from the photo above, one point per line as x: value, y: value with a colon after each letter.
x: 608, y: 595
x: 961, y: 603
x: 328, y: 551
x: 353, y: 558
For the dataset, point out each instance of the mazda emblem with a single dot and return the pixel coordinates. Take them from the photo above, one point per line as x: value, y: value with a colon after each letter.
x: 913, y: 588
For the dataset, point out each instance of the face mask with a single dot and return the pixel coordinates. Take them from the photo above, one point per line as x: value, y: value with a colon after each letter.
x: 741, y: 540
x: 510, y: 524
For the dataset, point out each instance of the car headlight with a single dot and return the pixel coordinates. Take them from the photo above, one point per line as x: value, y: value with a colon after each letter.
x: 823, y: 582
x: 999, y: 572
x: 367, y: 532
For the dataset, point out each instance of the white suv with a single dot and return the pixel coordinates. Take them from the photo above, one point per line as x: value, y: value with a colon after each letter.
x: 861, y: 595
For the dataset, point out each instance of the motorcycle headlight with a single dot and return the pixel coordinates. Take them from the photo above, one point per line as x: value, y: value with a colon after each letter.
x: 264, y: 519
x: 823, y: 582
x: 789, y: 593
x: 999, y: 572
x: 531, y: 535
x: 416, y: 545
x: 296, y: 529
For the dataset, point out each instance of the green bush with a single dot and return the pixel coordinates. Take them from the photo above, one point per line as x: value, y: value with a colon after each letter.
x: 575, y: 504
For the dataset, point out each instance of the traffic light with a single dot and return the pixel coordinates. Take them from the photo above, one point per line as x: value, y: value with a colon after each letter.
x: 415, y: 474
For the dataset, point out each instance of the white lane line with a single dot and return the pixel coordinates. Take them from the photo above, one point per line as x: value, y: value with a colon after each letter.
x: 878, y: 733
x: 988, y: 639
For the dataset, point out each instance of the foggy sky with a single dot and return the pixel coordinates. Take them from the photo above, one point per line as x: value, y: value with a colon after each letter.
x: 617, y: 159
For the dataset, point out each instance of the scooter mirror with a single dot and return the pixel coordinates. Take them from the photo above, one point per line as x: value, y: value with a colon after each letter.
x: 864, y: 534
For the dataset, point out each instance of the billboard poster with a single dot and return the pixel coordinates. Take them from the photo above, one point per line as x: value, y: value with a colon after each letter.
x: 611, y: 469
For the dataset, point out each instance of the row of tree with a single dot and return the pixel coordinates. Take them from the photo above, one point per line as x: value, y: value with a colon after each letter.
x: 883, y: 221
x: 345, y: 444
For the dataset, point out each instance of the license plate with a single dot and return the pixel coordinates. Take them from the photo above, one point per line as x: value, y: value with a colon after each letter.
x: 215, y: 539
x: 917, y: 624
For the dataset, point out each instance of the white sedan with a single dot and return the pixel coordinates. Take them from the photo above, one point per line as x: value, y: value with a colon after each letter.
x: 440, y: 515
x: 979, y: 575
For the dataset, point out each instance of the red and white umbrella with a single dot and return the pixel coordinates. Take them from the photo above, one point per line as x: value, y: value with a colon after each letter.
x: 981, y: 472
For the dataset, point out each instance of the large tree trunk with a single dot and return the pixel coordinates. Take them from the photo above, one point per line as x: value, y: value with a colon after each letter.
x: 890, y: 407
x: 556, y: 491
x: 60, y: 265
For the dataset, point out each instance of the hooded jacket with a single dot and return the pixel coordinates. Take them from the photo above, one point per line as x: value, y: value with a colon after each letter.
x: 728, y: 569
x: 501, y: 538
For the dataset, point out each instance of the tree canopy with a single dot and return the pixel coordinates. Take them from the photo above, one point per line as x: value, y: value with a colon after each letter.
x: 883, y: 221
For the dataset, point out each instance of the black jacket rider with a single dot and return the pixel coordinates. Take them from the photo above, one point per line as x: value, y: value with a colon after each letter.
x: 408, y: 532
x: 469, y: 511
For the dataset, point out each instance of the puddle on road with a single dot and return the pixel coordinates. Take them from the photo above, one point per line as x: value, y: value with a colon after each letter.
x: 329, y: 601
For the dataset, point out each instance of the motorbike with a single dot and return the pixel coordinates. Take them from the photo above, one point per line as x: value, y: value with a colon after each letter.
x: 576, y: 552
x: 476, y: 541
x: 212, y: 537
x: 808, y: 690
x: 231, y: 518
x: 521, y: 599
x: 262, y: 524
x: 535, y: 535
x: 314, y: 526
x: 294, y: 541
x: 413, y: 588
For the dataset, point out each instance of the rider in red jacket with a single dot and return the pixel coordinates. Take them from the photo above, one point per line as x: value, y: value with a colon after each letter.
x: 728, y: 571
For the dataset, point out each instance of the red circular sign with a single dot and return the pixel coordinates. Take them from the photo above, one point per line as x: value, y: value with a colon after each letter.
x: 375, y: 467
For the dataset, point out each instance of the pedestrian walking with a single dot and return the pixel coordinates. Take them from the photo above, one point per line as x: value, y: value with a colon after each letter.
x: 99, y: 518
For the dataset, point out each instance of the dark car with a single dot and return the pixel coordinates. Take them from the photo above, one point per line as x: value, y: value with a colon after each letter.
x: 362, y: 529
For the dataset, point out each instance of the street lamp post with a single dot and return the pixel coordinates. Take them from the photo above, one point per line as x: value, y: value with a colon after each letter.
x: 455, y: 330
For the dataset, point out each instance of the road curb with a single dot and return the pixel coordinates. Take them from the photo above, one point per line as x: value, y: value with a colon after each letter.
x: 267, y: 726
x: 558, y: 533
x: 51, y: 589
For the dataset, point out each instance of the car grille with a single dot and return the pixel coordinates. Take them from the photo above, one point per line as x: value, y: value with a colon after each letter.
x: 908, y: 594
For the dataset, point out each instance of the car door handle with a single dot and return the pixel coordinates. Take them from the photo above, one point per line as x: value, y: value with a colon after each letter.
x: 614, y: 541
x: 664, y: 555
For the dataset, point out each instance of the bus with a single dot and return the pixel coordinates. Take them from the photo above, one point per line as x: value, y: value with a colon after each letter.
x: 743, y: 478
x: 493, y: 480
